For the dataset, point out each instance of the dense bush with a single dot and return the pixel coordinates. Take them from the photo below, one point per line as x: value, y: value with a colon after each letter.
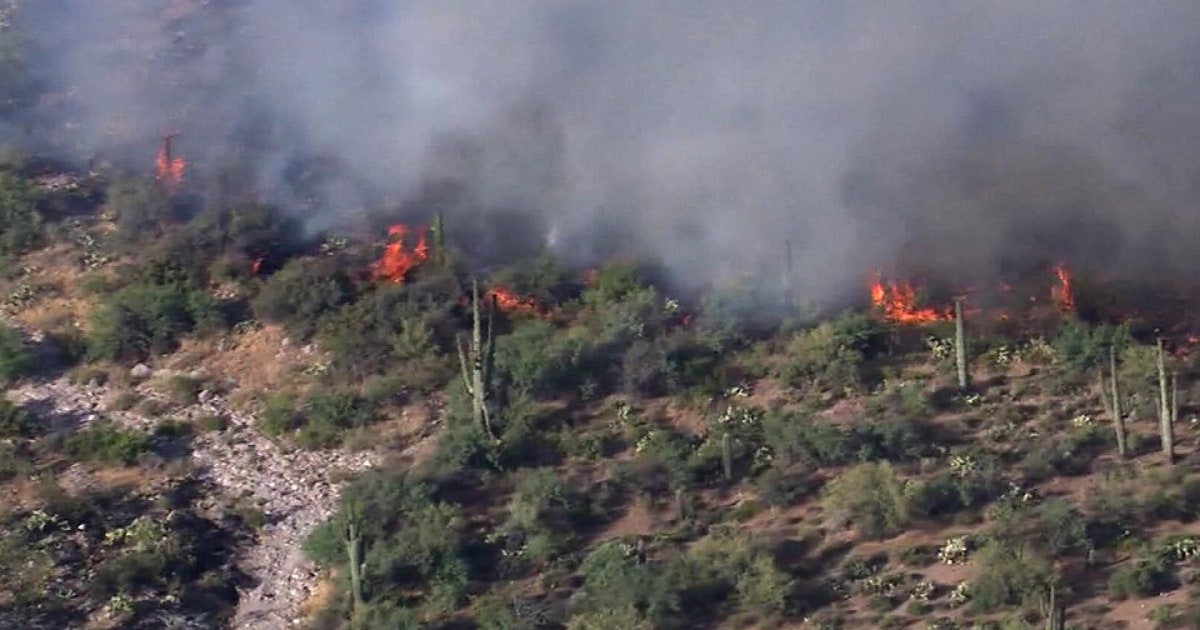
x: 872, y: 498
x: 145, y: 319
x: 302, y: 291
x: 20, y: 221
x: 15, y: 358
x: 387, y: 327
x: 106, y: 443
x: 831, y: 355
x: 413, y: 543
x: 325, y: 417
x: 140, y: 207
x: 1081, y: 347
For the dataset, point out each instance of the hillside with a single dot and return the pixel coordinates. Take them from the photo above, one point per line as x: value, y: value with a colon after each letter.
x: 210, y: 414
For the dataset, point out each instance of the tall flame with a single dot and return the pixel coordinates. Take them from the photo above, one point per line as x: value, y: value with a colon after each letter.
x: 897, y: 303
x: 1060, y: 292
x: 396, y: 262
x: 167, y: 168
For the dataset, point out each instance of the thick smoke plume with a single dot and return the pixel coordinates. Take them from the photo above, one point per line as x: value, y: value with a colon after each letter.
x: 949, y: 139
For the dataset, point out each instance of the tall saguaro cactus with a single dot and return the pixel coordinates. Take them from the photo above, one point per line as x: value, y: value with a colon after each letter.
x: 478, y: 362
x: 960, y: 346
x: 1167, y: 399
x: 1055, y: 612
x: 727, y: 456
x: 1111, y: 399
x: 352, y: 535
x: 438, y: 232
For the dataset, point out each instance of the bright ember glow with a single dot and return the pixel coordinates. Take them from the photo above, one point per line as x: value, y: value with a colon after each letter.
x: 167, y: 168
x: 1061, y: 293
x: 897, y: 303
x: 395, y: 262
x: 508, y: 302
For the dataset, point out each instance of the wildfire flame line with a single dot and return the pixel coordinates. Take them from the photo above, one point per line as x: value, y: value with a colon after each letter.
x: 167, y: 168
x: 897, y: 303
x: 1061, y: 293
x: 396, y: 262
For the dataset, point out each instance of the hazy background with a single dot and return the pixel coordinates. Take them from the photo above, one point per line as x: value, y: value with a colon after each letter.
x: 952, y: 140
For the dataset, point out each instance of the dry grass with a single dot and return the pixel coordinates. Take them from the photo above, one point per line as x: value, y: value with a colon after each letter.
x: 318, y: 599
x: 256, y: 361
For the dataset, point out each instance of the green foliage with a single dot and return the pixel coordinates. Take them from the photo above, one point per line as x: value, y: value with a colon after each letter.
x: 15, y: 422
x: 140, y: 207
x: 614, y: 580
x: 413, y: 543
x: 106, y: 443
x: 325, y: 417
x: 20, y: 221
x: 145, y: 319
x: 1143, y: 577
x: 872, y: 498
x: 830, y: 356
x: 15, y: 358
x: 302, y: 291
x: 1009, y: 576
x: 388, y: 326
x: 614, y: 283
x: 1081, y: 347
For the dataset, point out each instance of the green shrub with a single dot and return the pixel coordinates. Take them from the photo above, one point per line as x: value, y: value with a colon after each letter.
x: 1009, y: 576
x: 15, y: 422
x: 830, y: 356
x: 302, y: 291
x: 872, y: 498
x: 325, y: 417
x: 20, y: 221
x: 393, y: 324
x: 106, y: 443
x: 145, y: 319
x: 1082, y: 347
x: 15, y: 359
x: 140, y: 207
x: 1138, y: 578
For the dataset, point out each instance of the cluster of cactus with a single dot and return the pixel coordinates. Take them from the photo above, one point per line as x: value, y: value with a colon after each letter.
x: 478, y: 362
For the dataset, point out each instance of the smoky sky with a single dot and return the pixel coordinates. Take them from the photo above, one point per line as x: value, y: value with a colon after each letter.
x: 937, y: 137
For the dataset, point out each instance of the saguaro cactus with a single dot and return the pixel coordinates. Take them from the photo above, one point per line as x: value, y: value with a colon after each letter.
x: 1111, y: 399
x: 1167, y: 398
x: 352, y: 534
x: 478, y: 362
x: 727, y: 456
x: 960, y: 346
x: 1055, y: 612
x: 438, y: 232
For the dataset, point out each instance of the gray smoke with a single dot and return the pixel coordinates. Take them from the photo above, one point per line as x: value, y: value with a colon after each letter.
x: 938, y: 137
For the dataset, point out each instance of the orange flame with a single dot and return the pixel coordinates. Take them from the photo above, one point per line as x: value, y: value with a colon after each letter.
x: 255, y: 265
x: 168, y: 169
x: 1061, y: 293
x: 396, y: 262
x: 897, y: 303
x: 509, y: 302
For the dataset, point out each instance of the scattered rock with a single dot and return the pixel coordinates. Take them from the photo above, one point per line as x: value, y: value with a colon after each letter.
x: 291, y: 487
x: 141, y: 372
